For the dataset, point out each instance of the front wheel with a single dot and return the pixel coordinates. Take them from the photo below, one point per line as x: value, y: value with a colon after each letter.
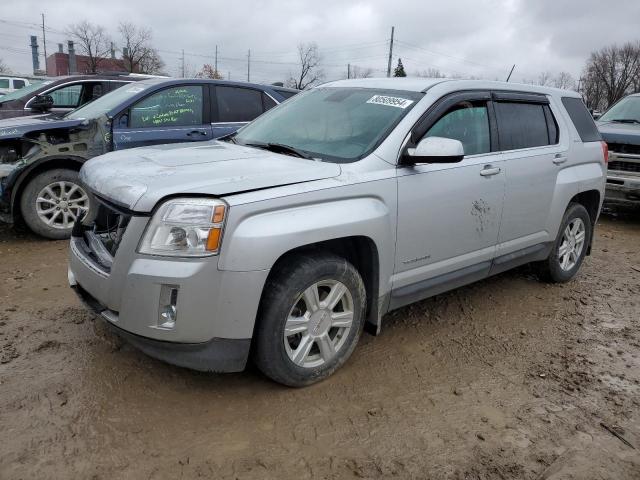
x: 53, y: 201
x: 570, y: 246
x: 312, y: 314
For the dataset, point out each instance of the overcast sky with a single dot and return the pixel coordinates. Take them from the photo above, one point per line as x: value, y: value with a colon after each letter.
x: 459, y: 37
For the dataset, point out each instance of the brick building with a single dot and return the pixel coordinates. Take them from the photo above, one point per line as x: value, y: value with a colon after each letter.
x: 61, y: 63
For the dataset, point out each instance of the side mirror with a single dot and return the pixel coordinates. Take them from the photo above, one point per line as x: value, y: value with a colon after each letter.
x: 596, y: 115
x: 434, y: 150
x: 42, y: 103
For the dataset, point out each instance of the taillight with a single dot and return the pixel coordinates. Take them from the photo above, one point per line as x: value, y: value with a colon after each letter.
x: 605, y: 152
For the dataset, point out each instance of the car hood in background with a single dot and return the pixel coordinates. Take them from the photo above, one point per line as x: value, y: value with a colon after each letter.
x: 138, y: 178
x: 19, y: 126
x: 617, y: 132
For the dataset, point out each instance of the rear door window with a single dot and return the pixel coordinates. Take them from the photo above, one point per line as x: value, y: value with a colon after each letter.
x: 522, y: 125
x: 467, y: 122
x: 18, y: 83
x: 181, y: 106
x: 237, y: 104
x: 582, y: 119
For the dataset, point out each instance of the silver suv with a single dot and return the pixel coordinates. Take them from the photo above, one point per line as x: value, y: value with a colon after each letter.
x: 346, y: 202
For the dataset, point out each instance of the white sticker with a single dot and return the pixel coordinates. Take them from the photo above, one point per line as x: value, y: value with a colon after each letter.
x: 135, y: 89
x: 390, y: 101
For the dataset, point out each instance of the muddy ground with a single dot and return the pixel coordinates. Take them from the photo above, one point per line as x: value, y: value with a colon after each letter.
x: 505, y: 379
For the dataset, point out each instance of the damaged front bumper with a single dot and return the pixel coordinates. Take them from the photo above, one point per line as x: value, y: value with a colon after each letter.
x: 8, y: 174
x: 215, y: 355
x: 183, y: 311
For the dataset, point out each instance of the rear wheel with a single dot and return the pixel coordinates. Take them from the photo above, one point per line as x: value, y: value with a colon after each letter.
x: 53, y: 201
x: 570, y: 247
x: 312, y: 314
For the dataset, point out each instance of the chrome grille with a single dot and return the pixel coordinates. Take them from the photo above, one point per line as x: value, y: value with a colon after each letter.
x: 624, y: 166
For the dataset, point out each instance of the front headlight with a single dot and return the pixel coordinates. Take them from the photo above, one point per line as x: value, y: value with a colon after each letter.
x: 185, y: 227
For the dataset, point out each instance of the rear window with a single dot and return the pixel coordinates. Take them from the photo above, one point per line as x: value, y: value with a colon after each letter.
x: 237, y: 104
x: 582, y: 119
x: 522, y: 125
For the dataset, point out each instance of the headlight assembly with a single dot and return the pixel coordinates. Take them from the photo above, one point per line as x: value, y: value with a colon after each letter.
x: 185, y: 227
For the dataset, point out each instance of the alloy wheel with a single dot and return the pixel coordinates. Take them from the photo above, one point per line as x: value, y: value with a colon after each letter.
x: 319, y: 323
x: 60, y: 204
x: 572, y: 244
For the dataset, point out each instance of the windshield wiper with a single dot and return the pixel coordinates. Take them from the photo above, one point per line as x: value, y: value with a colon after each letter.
x: 625, y: 120
x: 281, y: 148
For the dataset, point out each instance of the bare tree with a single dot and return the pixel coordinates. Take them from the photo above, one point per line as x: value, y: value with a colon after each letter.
x: 611, y: 73
x: 361, y: 72
x: 431, y: 73
x: 137, y: 53
x: 151, y: 63
x: 564, y: 80
x: 93, y: 42
x: 3, y: 67
x: 544, y: 79
x: 309, y: 62
x: 208, y: 71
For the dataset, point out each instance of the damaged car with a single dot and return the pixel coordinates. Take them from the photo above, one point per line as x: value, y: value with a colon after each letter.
x: 40, y: 156
x: 355, y: 198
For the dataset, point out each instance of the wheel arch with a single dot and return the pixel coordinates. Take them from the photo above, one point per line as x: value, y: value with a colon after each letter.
x: 591, y: 201
x: 359, y: 250
x: 25, y: 176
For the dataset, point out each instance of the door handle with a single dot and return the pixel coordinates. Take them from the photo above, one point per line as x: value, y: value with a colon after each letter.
x: 559, y: 159
x: 196, y: 132
x: 488, y: 171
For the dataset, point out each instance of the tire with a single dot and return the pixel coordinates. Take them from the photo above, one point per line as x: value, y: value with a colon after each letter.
x: 41, y: 195
x: 555, y: 268
x: 283, y: 358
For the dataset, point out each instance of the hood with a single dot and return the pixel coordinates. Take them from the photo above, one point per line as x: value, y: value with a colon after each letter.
x: 140, y: 177
x: 617, y: 132
x: 20, y: 126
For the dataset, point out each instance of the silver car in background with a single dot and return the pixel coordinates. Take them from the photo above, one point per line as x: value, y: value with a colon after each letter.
x: 346, y: 202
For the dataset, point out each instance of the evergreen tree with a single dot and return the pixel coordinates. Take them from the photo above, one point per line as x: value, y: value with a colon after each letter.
x: 399, y: 70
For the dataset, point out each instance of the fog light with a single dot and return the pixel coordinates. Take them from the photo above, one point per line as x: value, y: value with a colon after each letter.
x: 168, y: 307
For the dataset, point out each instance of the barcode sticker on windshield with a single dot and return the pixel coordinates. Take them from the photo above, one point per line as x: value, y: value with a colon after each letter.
x: 390, y: 101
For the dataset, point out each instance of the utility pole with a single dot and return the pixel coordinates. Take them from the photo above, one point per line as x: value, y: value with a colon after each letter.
x: 215, y: 65
x: 390, y: 52
x: 249, y: 66
x: 348, y: 70
x: 44, y: 45
x: 183, y: 63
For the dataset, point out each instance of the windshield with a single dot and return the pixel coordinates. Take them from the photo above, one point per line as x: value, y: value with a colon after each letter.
x: 23, y: 91
x: 627, y: 109
x: 332, y: 124
x: 107, y: 102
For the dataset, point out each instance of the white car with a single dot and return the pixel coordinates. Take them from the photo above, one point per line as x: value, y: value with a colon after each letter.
x: 11, y: 84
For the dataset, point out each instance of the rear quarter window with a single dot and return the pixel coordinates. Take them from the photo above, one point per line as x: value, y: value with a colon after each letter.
x: 582, y: 119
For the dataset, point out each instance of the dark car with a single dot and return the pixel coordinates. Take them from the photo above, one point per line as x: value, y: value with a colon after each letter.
x: 61, y: 95
x: 620, y: 128
x: 40, y: 156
